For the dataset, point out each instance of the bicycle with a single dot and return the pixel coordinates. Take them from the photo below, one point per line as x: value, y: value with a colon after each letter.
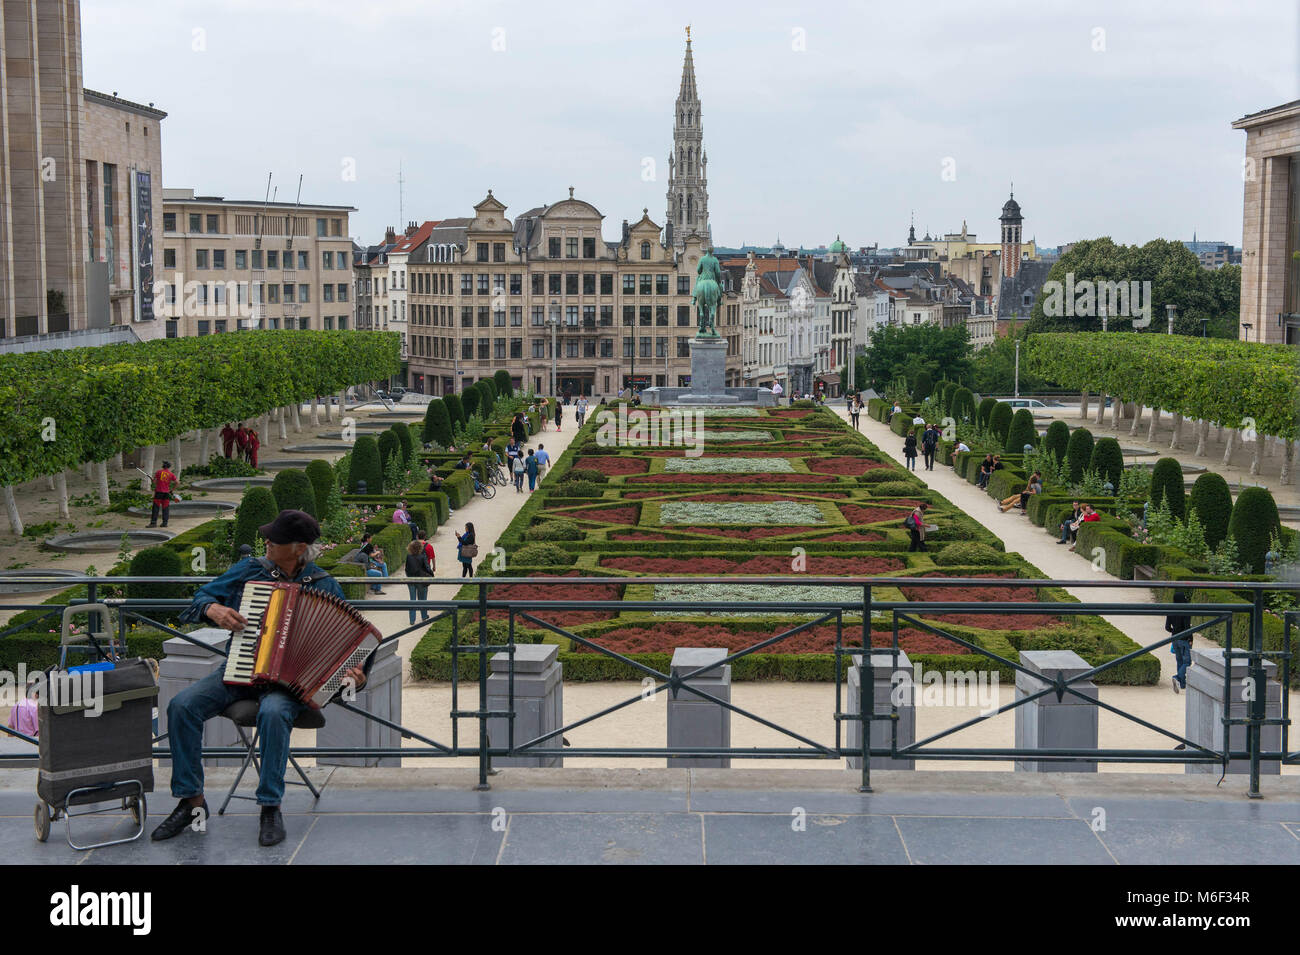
x: 496, y: 474
x: 487, y: 490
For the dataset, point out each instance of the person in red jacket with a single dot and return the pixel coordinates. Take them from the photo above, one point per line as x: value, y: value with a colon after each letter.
x: 227, y: 439
x: 241, y: 441
x: 163, y: 482
x: 253, y: 444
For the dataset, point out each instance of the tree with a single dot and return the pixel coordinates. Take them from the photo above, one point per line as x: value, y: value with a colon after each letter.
x: 437, y: 423
x: 365, y: 466
x: 1211, y: 500
x: 293, y: 491
x: 993, y: 370
x: 1022, y: 432
x: 1078, y: 453
x: 1057, y: 440
x: 470, y: 399
x: 922, y: 385
x: 256, y: 508
x: 404, y: 438
x: 963, y: 405
x: 897, y: 348
x: 321, y: 475
x: 505, y: 387
x: 1000, y: 423
x: 389, y: 448
x: 1108, y: 460
x: 487, y: 397
x: 984, y: 411
x: 1167, y: 485
x: 1253, y: 523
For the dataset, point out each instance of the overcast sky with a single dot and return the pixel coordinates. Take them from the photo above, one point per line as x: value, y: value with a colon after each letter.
x: 819, y: 118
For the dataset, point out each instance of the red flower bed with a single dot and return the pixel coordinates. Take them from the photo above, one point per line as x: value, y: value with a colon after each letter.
x: 612, y: 465
x: 607, y: 515
x: 666, y: 478
x: 844, y: 465
x: 857, y: 514
x: 668, y: 636
x: 758, y: 564
x: 529, y: 594
x: 988, y: 621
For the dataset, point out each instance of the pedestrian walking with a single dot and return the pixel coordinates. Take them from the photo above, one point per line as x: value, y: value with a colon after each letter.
x: 543, y: 460
x: 559, y: 415
x: 254, y: 442
x: 241, y: 442
x: 519, y: 468
x: 909, y: 449
x: 531, y: 466
x: 417, y: 566
x: 915, y: 523
x: 163, y: 482
x: 582, y: 409
x: 466, y: 550
x: 1180, y: 646
x: 929, y: 442
x: 227, y: 439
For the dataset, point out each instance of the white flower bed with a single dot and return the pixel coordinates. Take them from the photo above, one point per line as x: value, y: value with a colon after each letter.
x: 725, y: 412
x: 748, y: 436
x: 740, y: 512
x: 728, y: 466
x: 752, y: 593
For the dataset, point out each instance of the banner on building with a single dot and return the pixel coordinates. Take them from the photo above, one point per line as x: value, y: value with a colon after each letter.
x: 144, y: 247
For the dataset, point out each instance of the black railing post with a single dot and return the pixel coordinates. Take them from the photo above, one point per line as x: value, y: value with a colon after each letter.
x: 866, y: 691
x: 484, y: 759
x: 1259, y: 699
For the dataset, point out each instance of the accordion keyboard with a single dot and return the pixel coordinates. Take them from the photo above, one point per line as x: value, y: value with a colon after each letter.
x: 242, y: 654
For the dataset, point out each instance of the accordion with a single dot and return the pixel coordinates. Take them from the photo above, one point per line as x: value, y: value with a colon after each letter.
x: 298, y: 638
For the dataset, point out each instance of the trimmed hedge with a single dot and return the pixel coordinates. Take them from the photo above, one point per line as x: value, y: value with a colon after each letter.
x: 437, y: 424
x: 293, y: 491
x: 1254, y: 520
x: 983, y: 412
x: 321, y: 476
x: 1022, y: 431
x: 1212, y: 501
x: 405, y: 439
x: 1108, y: 461
x: 455, y: 412
x: 1078, y: 453
x: 505, y: 386
x: 366, y: 466
x: 1000, y: 424
x: 1057, y: 440
x: 389, y: 447
x: 256, y: 507
x: 1167, y: 485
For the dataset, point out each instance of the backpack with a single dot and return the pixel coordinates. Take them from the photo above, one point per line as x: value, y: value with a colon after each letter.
x: 910, y: 521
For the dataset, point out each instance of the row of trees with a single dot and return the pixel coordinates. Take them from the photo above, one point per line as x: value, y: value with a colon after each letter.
x: 60, y: 409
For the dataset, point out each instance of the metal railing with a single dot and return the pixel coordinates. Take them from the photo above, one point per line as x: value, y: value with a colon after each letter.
x: 852, y: 619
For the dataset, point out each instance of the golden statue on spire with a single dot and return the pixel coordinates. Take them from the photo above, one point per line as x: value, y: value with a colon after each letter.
x: 688, y: 33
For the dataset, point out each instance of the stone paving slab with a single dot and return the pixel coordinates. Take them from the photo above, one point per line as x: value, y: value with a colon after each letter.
x: 430, y: 816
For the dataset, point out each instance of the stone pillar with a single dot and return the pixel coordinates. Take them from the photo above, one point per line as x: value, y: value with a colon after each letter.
x: 184, y: 665
x: 382, y: 696
x: 1204, y: 709
x: 538, y: 701
x: 693, y: 720
x: 1046, y: 723
x: 884, y: 681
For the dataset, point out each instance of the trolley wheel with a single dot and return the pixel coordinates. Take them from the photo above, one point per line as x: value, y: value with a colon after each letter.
x: 42, y: 820
x: 136, y: 805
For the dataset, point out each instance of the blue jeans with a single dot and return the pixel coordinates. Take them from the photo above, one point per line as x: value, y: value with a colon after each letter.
x: 194, y: 706
x: 532, y: 481
x: 383, y: 572
x: 417, y: 592
x: 1182, y: 650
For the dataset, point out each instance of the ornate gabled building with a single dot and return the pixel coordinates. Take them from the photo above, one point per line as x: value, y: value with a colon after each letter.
x: 688, y: 186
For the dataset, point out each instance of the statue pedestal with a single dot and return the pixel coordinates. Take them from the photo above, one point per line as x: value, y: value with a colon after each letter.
x: 708, y: 381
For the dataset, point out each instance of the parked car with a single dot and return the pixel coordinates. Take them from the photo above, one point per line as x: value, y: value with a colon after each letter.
x: 396, y: 393
x: 1025, y: 403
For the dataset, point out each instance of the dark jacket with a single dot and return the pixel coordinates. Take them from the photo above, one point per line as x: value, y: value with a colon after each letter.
x: 909, y: 446
x: 417, y: 565
x: 1177, y: 623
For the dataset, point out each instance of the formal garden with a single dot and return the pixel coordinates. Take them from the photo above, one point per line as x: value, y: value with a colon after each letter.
x: 787, y: 492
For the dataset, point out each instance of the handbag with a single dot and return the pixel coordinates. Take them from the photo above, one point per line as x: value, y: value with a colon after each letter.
x: 469, y: 550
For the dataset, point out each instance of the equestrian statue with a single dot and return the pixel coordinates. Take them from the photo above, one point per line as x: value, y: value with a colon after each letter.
x: 707, y: 294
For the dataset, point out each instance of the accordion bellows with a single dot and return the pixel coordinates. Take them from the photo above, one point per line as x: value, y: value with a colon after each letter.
x: 298, y: 638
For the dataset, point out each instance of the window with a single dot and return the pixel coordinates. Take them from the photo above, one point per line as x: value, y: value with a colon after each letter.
x: 196, y: 222
x: 516, y: 348
x: 218, y: 258
x: 302, y: 261
x: 467, y: 316
x: 539, y: 348
x: 607, y: 350
x: 661, y: 346
x: 539, y: 283
x: 466, y: 284
x: 645, y: 250
x: 327, y: 293
x: 220, y: 325
x: 483, y: 316
x: 272, y: 259
x: 571, y: 247
x: 343, y: 291
x: 483, y: 284
x: 336, y: 228
x: 241, y: 259
x: 498, y: 348
x: 571, y: 283
x: 169, y: 258
x: 589, y: 285
x: 628, y: 346
x: 607, y: 284
x: 646, y: 314
x: 571, y: 316
x: 661, y: 285
x: 200, y: 258
x: 516, y: 315
x: 683, y: 316
x: 661, y: 314
x: 629, y: 284
x: 304, y: 323
x: 647, y: 282
x: 516, y: 284
x: 683, y: 285
x: 320, y: 228
x: 553, y: 247
x: 272, y: 294
x: 304, y: 293
x: 257, y: 258
x: 326, y: 257
x: 498, y: 253
x: 683, y: 347
x: 212, y: 223
x: 203, y: 326
x: 499, y: 318
x: 589, y: 348
x: 539, y: 315
x: 629, y: 314
x: 645, y: 347
x: 571, y: 348
x: 553, y: 282
x: 482, y: 251
x: 171, y: 322
x: 169, y: 225
x: 467, y: 348
x: 343, y: 322
x: 607, y: 315
x: 589, y: 316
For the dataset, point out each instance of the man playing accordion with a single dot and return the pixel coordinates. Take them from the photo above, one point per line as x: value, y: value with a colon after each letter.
x: 290, y: 549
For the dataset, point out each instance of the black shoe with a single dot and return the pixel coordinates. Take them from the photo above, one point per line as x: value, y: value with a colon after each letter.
x: 271, y: 829
x: 182, y: 818
x: 152, y: 525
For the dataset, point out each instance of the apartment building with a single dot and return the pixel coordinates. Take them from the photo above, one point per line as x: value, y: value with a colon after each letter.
x: 229, y: 264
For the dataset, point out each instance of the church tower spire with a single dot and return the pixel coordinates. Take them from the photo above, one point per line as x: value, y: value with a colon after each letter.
x: 688, y: 195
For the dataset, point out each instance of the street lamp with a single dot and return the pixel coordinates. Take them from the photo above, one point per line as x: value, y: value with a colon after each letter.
x: 1171, y: 310
x: 1205, y: 324
x: 1246, y: 326
x: 554, y: 322
x: 1017, y: 392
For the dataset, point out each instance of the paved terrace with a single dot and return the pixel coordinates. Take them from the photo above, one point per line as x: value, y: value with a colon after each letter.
x: 718, y: 816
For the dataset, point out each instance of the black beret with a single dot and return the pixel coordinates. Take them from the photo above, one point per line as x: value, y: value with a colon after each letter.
x: 291, y: 527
